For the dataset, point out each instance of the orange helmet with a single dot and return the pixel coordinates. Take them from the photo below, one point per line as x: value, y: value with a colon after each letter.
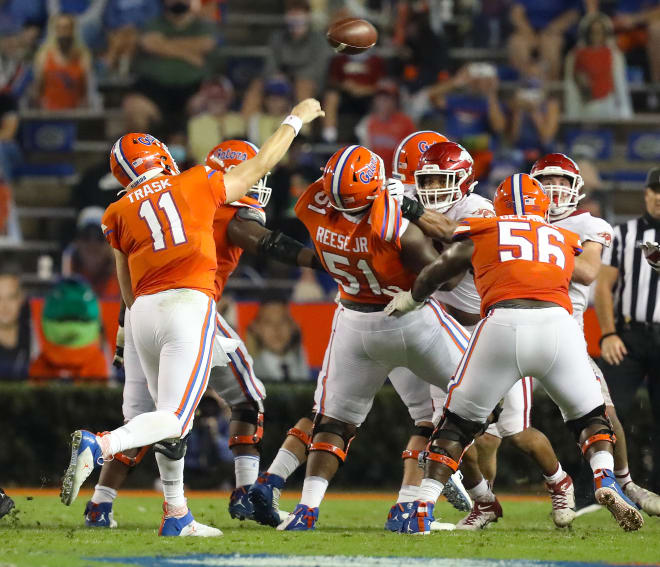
x: 408, y: 152
x: 353, y: 177
x: 136, y: 158
x: 521, y: 194
x: 232, y: 152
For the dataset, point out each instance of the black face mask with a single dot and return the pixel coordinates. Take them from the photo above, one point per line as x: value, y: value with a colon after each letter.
x: 65, y: 43
x: 178, y: 7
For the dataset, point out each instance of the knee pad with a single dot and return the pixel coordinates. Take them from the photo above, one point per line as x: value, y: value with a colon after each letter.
x: 132, y: 461
x: 343, y: 430
x: 299, y: 434
x: 452, y: 429
x: 173, y: 450
x: 422, y: 431
x: 254, y: 416
x: 595, y: 425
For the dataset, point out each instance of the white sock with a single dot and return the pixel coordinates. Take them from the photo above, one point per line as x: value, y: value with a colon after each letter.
x: 430, y: 490
x: 313, y: 491
x: 284, y: 464
x: 601, y: 460
x: 144, y: 429
x: 623, y: 476
x: 482, y: 492
x: 558, y: 475
x: 246, y: 469
x: 408, y: 493
x: 171, y: 473
x: 103, y: 494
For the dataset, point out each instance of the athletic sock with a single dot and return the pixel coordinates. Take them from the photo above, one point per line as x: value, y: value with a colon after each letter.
x: 246, y: 469
x: 171, y: 474
x: 408, y: 493
x: 482, y: 492
x: 284, y: 464
x: 144, y: 429
x: 103, y: 494
x: 430, y: 490
x: 623, y: 477
x: 601, y: 460
x: 558, y: 475
x: 313, y: 491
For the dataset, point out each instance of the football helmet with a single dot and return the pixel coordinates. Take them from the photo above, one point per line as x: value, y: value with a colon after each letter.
x: 353, y: 177
x: 229, y: 154
x: 444, y: 175
x: 136, y: 158
x: 563, y: 199
x: 521, y: 194
x: 408, y: 152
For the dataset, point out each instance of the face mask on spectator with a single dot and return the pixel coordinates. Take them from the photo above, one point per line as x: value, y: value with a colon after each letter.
x: 178, y: 7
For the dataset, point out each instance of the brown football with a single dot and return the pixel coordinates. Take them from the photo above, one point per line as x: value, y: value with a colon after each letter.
x: 351, y: 36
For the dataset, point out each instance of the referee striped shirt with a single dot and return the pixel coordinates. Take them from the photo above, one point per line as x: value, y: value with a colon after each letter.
x: 636, y: 291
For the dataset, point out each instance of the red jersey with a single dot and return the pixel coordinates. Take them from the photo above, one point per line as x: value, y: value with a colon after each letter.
x: 520, y: 257
x: 365, y: 270
x: 165, y: 228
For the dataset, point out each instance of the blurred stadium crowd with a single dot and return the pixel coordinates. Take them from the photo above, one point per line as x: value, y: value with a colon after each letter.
x: 508, y: 79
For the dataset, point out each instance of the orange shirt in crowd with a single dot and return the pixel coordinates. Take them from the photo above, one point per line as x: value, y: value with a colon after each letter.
x: 64, y: 83
x: 598, y: 65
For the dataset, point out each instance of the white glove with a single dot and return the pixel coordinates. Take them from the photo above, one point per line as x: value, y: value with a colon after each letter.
x: 401, y: 303
x: 652, y: 253
x: 395, y: 189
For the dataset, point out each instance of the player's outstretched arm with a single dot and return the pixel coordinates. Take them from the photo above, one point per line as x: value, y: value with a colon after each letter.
x: 124, y: 277
x: 453, y: 261
x: 241, y: 178
x: 432, y: 223
x: 587, y: 264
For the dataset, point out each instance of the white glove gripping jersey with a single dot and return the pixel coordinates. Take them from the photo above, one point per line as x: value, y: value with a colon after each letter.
x: 591, y: 229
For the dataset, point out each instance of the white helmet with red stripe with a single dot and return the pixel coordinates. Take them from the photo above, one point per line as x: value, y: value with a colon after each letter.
x: 564, y: 193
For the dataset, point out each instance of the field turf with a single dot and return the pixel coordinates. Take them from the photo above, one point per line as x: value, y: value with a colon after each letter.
x: 44, y: 532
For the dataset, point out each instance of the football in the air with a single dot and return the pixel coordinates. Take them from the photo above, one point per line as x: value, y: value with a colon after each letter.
x: 351, y: 36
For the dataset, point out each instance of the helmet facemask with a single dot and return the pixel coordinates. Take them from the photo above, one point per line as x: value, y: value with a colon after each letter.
x: 564, y: 198
x: 439, y: 189
x: 260, y: 191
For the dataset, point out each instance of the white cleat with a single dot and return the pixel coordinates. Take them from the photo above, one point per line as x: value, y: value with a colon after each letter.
x: 195, y: 529
x: 562, y: 495
x: 85, y: 457
x: 645, y: 499
x: 185, y: 525
x: 455, y: 493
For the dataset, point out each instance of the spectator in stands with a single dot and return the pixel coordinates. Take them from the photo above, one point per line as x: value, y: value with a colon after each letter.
x: 352, y: 83
x: 276, y: 105
x: 212, y: 118
x: 170, y: 68
x: 596, y: 85
x: 10, y: 154
x: 62, y: 67
x: 276, y: 344
x: 20, y: 24
x: 386, y: 125
x: 540, y: 25
x: 90, y: 257
x: 15, y: 326
x: 123, y: 21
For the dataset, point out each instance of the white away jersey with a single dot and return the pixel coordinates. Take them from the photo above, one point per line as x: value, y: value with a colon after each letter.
x: 592, y: 229
x: 464, y: 296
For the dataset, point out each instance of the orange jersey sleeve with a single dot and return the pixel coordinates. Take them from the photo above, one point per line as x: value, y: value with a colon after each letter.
x: 165, y: 228
x: 519, y: 257
x: 365, y: 270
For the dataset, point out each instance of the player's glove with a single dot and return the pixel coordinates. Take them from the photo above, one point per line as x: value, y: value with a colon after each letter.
x: 652, y: 253
x: 395, y: 189
x: 401, y: 303
x: 118, y: 360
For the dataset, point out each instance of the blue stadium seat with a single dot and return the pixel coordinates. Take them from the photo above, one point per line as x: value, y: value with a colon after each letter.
x: 643, y: 146
x: 597, y: 143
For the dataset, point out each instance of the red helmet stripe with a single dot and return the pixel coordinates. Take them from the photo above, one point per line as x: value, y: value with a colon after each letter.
x: 337, y: 175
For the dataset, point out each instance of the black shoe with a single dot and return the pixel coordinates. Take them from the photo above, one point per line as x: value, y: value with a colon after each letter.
x: 6, y: 503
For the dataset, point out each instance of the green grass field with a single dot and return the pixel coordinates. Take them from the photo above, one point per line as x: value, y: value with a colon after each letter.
x: 44, y: 532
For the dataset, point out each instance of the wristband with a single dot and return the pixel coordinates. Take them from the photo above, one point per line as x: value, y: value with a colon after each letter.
x: 293, y: 121
x: 411, y: 209
x: 600, y: 341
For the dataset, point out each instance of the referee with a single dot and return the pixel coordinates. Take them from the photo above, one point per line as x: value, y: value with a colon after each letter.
x: 628, y: 310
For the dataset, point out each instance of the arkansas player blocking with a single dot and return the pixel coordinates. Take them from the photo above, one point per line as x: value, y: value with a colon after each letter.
x: 162, y: 233
x: 362, y: 241
x: 522, y: 266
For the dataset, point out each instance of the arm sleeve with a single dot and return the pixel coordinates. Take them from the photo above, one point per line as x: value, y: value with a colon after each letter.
x: 611, y: 253
x: 248, y: 213
x: 216, y: 183
x: 598, y: 231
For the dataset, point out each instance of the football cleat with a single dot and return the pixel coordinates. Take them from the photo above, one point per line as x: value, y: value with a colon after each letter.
x: 644, y: 499
x: 264, y: 495
x: 420, y: 519
x: 562, y: 495
x: 6, y: 504
x: 239, y: 504
x: 85, y: 457
x: 482, y: 514
x: 99, y: 515
x: 610, y: 495
x: 303, y: 518
x: 397, y: 516
x: 185, y: 526
x: 455, y: 493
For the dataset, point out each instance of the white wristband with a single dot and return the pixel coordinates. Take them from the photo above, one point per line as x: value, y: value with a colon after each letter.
x: 293, y: 121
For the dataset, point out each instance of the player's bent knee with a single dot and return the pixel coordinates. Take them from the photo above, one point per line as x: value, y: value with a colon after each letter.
x: 451, y: 439
x: 249, y: 412
x: 173, y: 450
x: 592, y: 428
x: 345, y: 431
x: 132, y: 457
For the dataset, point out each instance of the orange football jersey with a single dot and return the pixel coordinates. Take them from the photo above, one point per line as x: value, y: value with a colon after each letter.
x: 227, y: 253
x: 366, y: 271
x: 520, y: 257
x: 165, y: 228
